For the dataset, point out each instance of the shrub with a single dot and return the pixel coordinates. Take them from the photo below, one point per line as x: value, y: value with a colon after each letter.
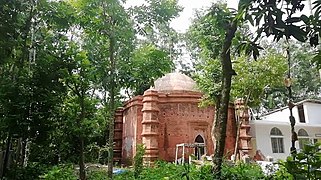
x: 281, y: 173
x: 97, y: 175
x: 32, y: 171
x: 60, y: 172
x: 203, y: 172
x: 138, y: 160
x: 164, y: 170
x: 242, y: 171
x: 303, y: 165
x: 128, y: 175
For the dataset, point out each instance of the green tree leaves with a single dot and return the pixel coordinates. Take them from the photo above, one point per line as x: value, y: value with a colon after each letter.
x: 255, y: 77
x: 140, y: 73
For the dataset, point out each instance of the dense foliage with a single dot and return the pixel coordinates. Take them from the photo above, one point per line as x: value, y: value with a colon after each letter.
x: 63, y: 65
x: 164, y: 170
x: 214, y: 33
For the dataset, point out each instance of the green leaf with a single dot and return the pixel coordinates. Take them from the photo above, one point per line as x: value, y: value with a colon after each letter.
x: 305, y: 19
x: 297, y: 32
x: 293, y: 20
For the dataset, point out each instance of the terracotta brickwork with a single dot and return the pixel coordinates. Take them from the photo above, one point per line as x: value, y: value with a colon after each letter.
x: 164, y: 117
x: 150, y: 133
x: 181, y: 120
x: 245, y: 137
x: 174, y: 118
x: 132, y: 128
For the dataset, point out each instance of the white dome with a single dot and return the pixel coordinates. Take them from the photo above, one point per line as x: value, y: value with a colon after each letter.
x: 175, y: 82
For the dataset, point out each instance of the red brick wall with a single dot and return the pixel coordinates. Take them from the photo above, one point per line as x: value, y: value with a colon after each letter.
x: 181, y: 120
x: 181, y: 123
x: 132, y: 128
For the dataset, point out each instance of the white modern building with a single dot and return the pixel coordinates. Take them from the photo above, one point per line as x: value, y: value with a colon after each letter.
x: 272, y: 133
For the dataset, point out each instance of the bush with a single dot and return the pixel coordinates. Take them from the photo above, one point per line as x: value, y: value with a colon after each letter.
x: 30, y: 172
x: 128, y: 175
x: 303, y: 165
x: 203, y: 172
x: 163, y: 170
x: 97, y: 175
x: 60, y: 172
x: 281, y: 173
x: 160, y: 170
x: 138, y: 160
x: 242, y: 171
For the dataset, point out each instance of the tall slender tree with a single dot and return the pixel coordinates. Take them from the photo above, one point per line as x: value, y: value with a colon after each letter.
x: 275, y: 18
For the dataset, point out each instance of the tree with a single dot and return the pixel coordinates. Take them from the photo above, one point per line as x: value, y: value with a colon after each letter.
x: 152, y: 22
x: 57, y: 59
x: 305, y: 75
x: 80, y: 106
x: 305, y: 72
x: 109, y: 40
x: 269, y: 13
x: 140, y: 73
x: 254, y: 77
x: 216, y: 30
x: 114, y: 50
x: 30, y: 73
x: 300, y: 28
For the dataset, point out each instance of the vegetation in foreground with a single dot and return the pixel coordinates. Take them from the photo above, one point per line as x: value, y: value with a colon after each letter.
x: 304, y: 165
x: 63, y: 65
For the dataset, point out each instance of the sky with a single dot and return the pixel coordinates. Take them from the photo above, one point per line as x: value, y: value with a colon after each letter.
x: 182, y: 23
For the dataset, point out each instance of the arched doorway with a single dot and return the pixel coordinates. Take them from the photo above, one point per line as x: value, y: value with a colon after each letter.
x: 199, y: 150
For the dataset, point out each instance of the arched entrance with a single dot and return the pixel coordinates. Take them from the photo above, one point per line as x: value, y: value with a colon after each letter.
x: 199, y: 150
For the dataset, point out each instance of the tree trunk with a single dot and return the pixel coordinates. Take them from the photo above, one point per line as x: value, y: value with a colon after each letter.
x: 6, y: 157
x: 219, y: 129
x: 82, y: 172
x: 112, y: 108
x: 26, y: 152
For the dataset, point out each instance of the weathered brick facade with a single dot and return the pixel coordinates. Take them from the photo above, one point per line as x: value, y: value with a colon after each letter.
x: 162, y: 118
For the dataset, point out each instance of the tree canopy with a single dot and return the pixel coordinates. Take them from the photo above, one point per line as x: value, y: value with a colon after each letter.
x: 65, y: 65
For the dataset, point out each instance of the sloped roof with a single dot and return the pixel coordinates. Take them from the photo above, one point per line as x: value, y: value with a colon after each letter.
x: 315, y: 101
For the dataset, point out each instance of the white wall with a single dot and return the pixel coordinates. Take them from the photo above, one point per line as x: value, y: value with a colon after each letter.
x: 260, y: 130
x: 312, y: 113
x: 281, y: 115
x: 263, y: 138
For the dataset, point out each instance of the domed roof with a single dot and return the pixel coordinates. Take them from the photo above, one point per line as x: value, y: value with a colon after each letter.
x: 175, y: 81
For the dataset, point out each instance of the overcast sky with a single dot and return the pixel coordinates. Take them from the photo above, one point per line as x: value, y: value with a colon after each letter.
x: 183, y: 21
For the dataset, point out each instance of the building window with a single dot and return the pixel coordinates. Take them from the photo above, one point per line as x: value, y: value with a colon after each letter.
x: 277, y: 140
x: 301, y: 113
x: 303, y: 138
x: 314, y: 141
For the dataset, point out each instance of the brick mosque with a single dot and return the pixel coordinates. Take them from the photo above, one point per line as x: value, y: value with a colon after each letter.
x: 168, y: 114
